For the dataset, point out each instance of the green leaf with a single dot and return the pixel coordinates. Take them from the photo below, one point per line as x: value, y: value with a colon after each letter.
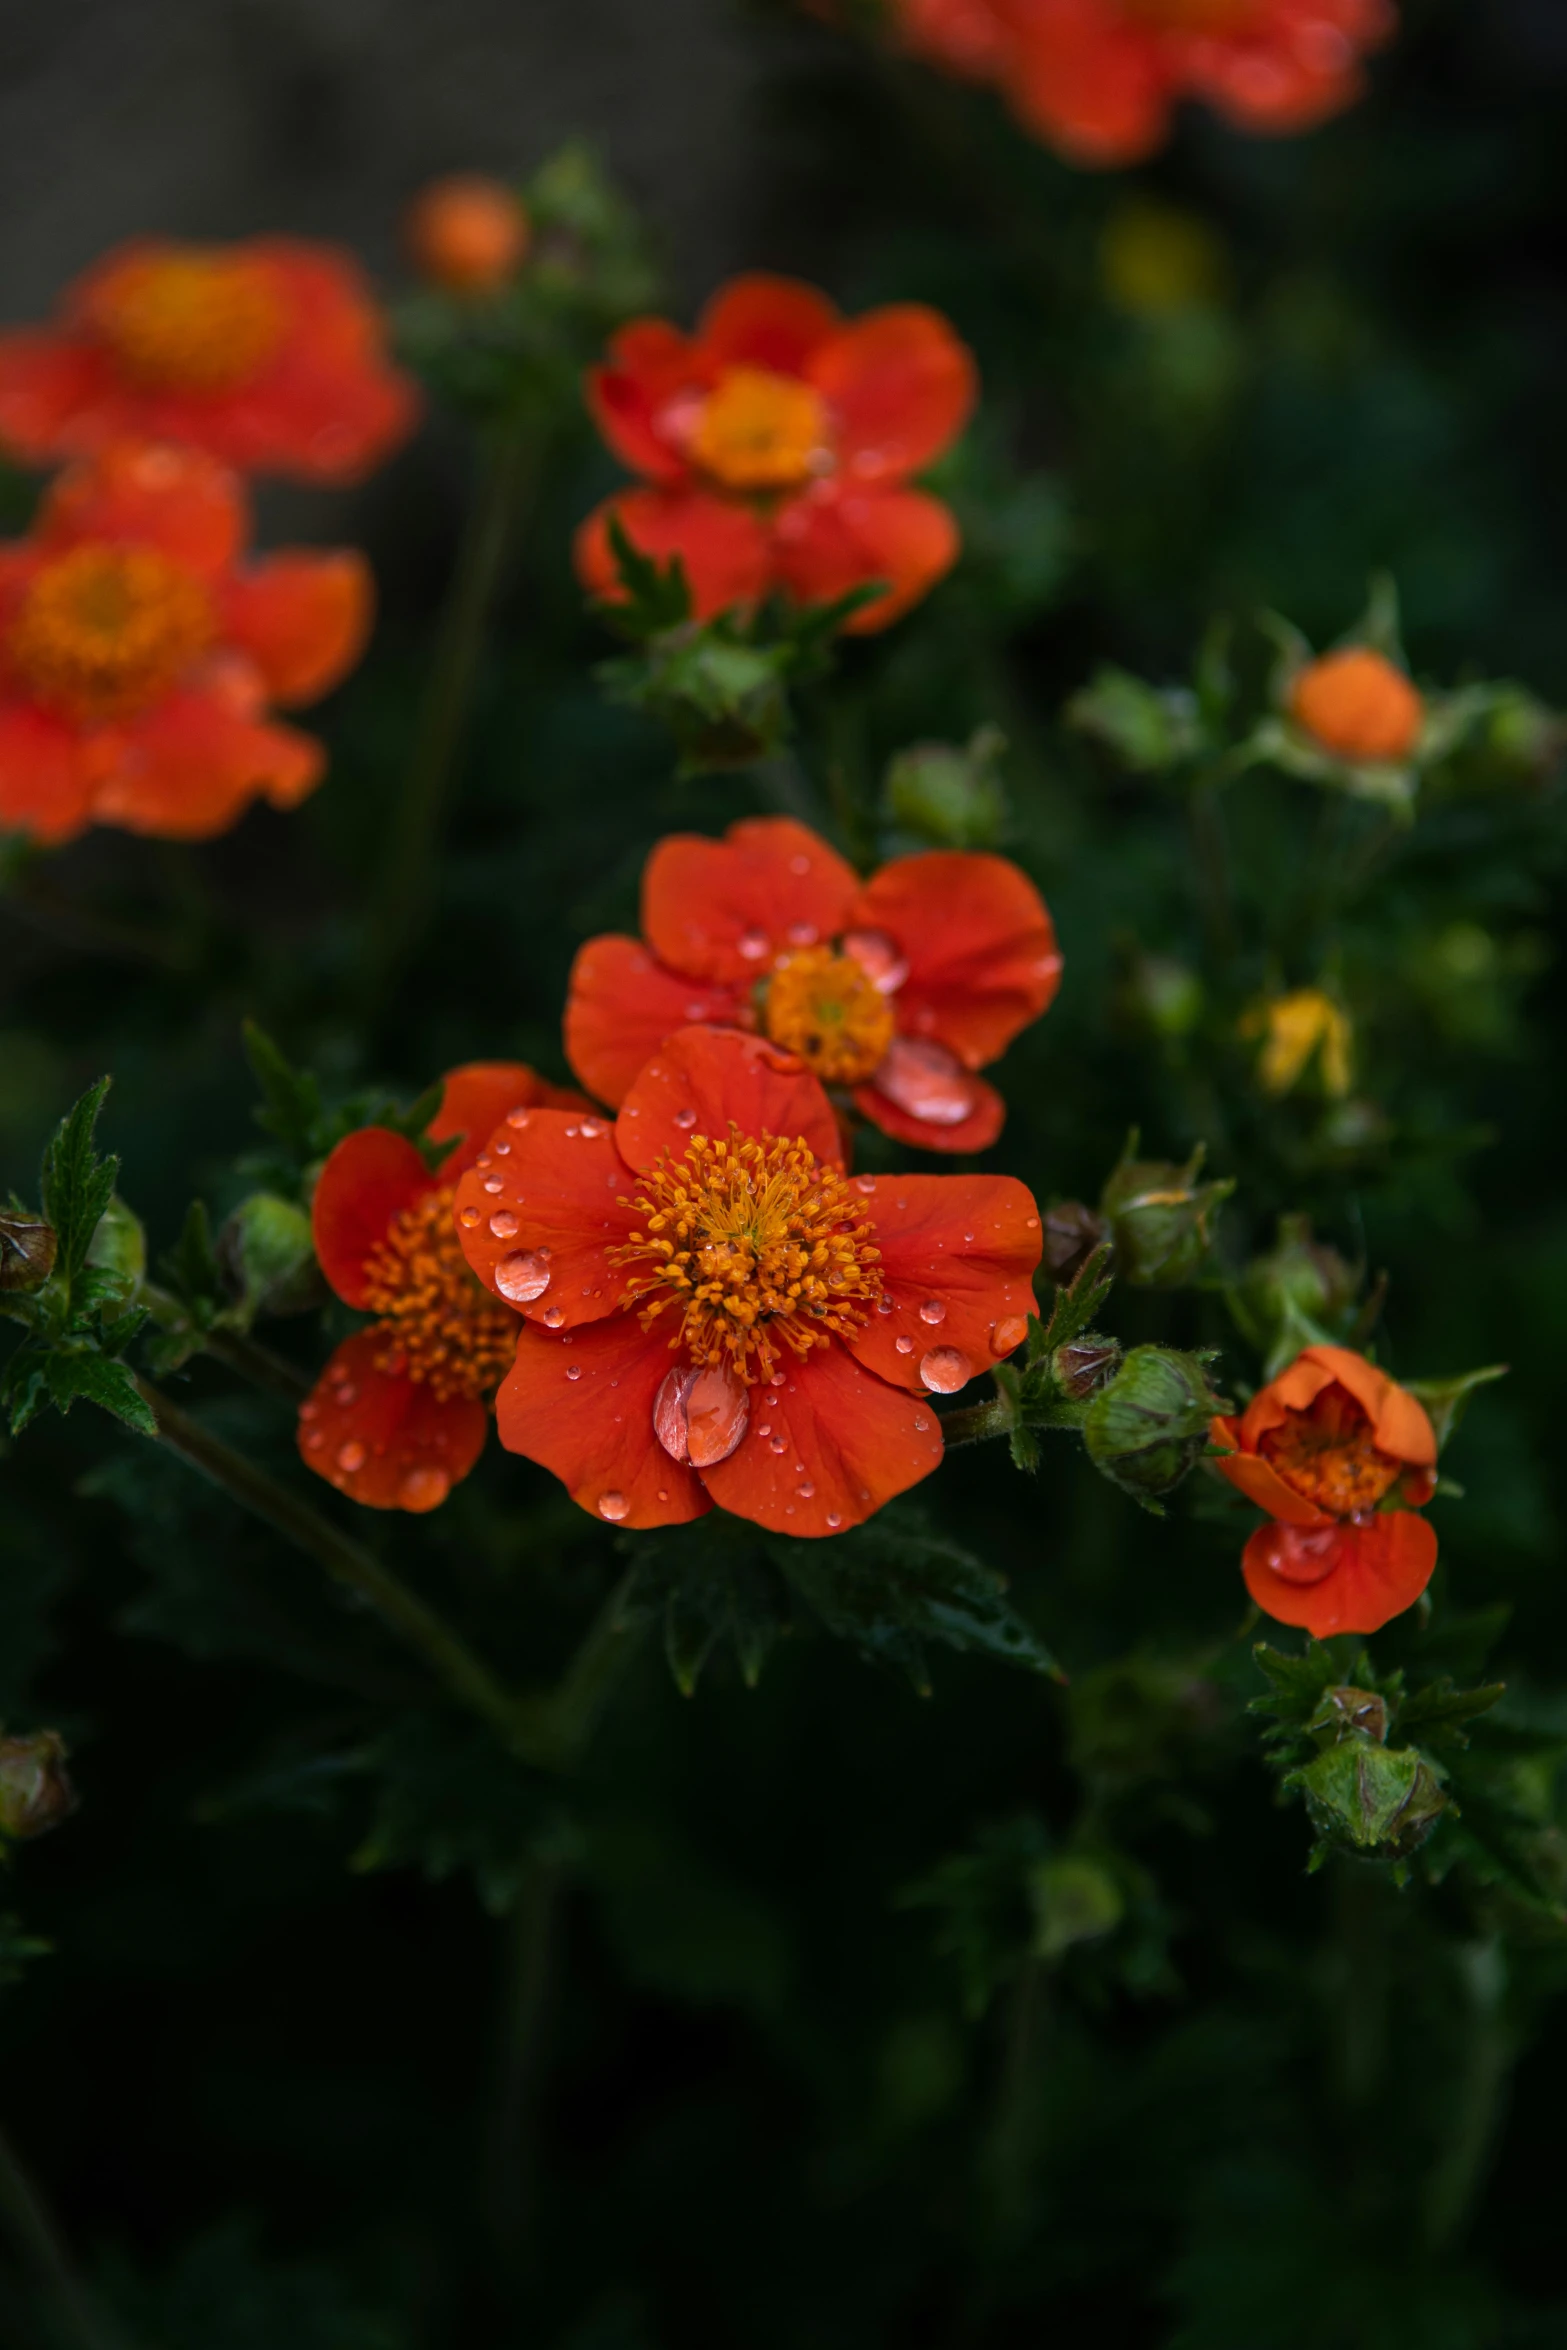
x: 1436, y: 1715
x: 452, y: 1800
x: 1447, y: 1400
x: 1148, y: 729
x: 709, y: 1584
x: 1076, y: 1305
x: 191, y: 1266
x: 76, y: 1182
x: 290, y: 1098
x: 657, y: 595
x: 94, y: 1378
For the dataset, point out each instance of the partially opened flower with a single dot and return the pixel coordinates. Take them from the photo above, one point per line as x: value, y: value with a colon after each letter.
x: 467, y: 234
x: 896, y: 989
x: 716, y: 1312
x: 777, y: 445
x: 1099, y: 79
x: 139, y: 655
x: 271, y: 354
x: 1342, y: 1459
x: 399, y: 1415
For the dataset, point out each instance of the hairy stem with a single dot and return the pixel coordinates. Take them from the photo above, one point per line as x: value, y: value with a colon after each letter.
x: 977, y: 1423
x: 234, y: 1348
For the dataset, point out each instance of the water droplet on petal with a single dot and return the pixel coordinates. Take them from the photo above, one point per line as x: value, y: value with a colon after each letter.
x: 945, y: 1369
x: 504, y: 1224
x: 1033, y: 1223
x: 553, y: 1317
x: 927, y: 1082
x: 685, y: 1120
x: 751, y: 945
x: 933, y: 1310
x: 800, y: 865
x: 591, y: 1129
x: 920, y: 1423
x: 834, y: 1520
x: 523, y: 1275
x: 884, y: 1304
x: 346, y: 1393
x: 662, y: 1495
x: 880, y: 958
x: 574, y: 1370
x: 468, y: 1218
x: 614, y: 1506
x: 310, y: 1411
x: 718, y: 1413
x: 776, y: 1444
x: 424, y: 1489
x: 518, y: 1117
x: 315, y: 1440
x: 1007, y: 1334
x: 904, y: 1346
x: 806, y: 1492
x: 669, y: 1412
x: 351, y: 1457
x: 865, y: 1183
x: 802, y: 934
x: 493, y: 1184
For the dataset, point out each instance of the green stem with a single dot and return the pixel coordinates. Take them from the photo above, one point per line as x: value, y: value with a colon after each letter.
x: 511, y: 2166
x: 977, y: 1423
x: 39, y: 2245
x: 1484, y: 2070
x: 234, y: 1348
x: 354, y: 1568
x: 413, y: 846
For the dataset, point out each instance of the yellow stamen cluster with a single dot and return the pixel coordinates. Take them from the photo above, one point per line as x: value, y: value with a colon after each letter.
x: 753, y: 1243
x: 761, y: 431
x: 106, y: 631
x: 189, y: 321
x: 1329, y: 1455
x: 827, y: 1009
x: 440, y: 1326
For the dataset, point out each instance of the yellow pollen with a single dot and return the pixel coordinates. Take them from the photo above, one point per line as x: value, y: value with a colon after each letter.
x: 189, y: 321
x: 106, y: 631
x: 753, y: 1243
x: 441, y: 1327
x: 761, y: 431
x: 1328, y: 1454
x: 828, y: 1009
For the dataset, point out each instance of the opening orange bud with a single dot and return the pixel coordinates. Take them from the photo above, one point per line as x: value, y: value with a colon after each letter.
x: 467, y: 234
x: 1357, y: 705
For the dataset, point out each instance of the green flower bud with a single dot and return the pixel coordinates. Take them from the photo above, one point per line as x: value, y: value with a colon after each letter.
x: 1161, y: 1219
x: 267, y: 1253
x: 35, y: 1790
x: 948, y: 795
x: 1083, y: 1365
x: 1347, y: 1712
x: 1149, y: 1427
x: 1380, y: 1801
x: 1300, y: 1276
x: 724, y: 702
x: 119, y: 1246
x: 1074, y: 1900
x: 27, y: 1253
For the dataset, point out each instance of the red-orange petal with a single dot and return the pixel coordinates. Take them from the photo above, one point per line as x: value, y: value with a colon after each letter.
x: 705, y: 1079
x: 383, y: 1438
x: 476, y: 1098
x: 725, y: 909
x: 979, y: 943
x: 303, y: 618
x: 184, y: 502
x: 1380, y: 1566
x: 958, y: 1254
x: 721, y: 543
x: 826, y: 1449
x: 193, y: 765
x: 1256, y: 1477
x: 1098, y: 90
x: 650, y: 363
x: 964, y: 1136
x: 1399, y: 1422
x: 595, y: 1431
x: 45, y: 784
x: 827, y: 543
x: 763, y: 321
x: 622, y: 1003
x: 537, y: 1223
x: 368, y: 1179
x: 48, y: 380
x: 901, y: 387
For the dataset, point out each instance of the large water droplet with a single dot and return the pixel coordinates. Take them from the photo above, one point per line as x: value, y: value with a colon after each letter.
x: 776, y: 1444
x: 351, y: 1457
x: 834, y: 1521
x: 806, y: 1492
x: 926, y: 1082
x: 424, y: 1489
x: 945, y: 1369
x: 932, y: 1311
x: 518, y: 1117
x: 685, y: 1120
x: 504, y: 1224
x: 880, y: 958
x: 614, y: 1506
x: 523, y: 1275
x: 574, y: 1370
x: 553, y: 1317
x: 493, y: 1184
x: 669, y: 1413
x: 718, y: 1412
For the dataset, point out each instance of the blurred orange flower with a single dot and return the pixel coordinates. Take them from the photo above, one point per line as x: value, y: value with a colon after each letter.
x: 399, y: 1415
x: 270, y: 354
x: 467, y: 234
x: 1357, y: 705
x: 138, y: 656
x: 778, y: 443
x: 897, y: 989
x: 1341, y: 1458
x: 1099, y: 79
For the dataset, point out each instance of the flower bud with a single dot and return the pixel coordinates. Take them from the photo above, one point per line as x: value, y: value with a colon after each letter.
x: 119, y: 1245
x: 1083, y: 1365
x: 1074, y: 1900
x: 267, y: 1254
x: 948, y: 795
x: 1356, y: 705
x: 27, y: 1253
x: 1522, y: 737
x: 1298, y: 1029
x: 467, y: 234
x: 1161, y: 1219
x: 1347, y: 1712
x: 35, y: 1789
x: 1301, y: 1276
x: 1380, y: 1801
x: 1072, y: 1232
x: 1148, y: 1428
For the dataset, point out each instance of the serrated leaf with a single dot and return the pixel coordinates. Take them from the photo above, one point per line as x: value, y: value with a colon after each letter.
x: 1435, y: 1716
x: 290, y: 1098
x: 191, y: 1266
x: 657, y: 595
x: 451, y: 1799
x: 1075, y: 1306
x: 77, y: 1182
x: 94, y: 1378
x: 1447, y: 1400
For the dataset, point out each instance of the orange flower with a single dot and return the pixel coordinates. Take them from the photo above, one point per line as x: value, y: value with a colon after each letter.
x: 138, y: 657
x: 716, y: 1312
x: 270, y: 354
x: 778, y: 443
x: 1357, y: 705
x: 467, y: 234
x: 1099, y: 79
x: 896, y: 989
x: 1341, y: 1459
x: 399, y: 1415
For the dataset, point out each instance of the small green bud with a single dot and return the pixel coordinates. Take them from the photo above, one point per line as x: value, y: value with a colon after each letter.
x: 1072, y: 1232
x: 1148, y: 1428
x: 1380, y: 1801
x: 1074, y: 1900
x: 267, y: 1254
x: 1300, y: 1275
x: 1347, y: 1712
x: 119, y: 1246
x: 27, y: 1252
x: 724, y: 702
x: 948, y: 795
x: 1161, y: 996
x: 1161, y: 1219
x: 1083, y: 1365
x: 35, y: 1789
x: 1146, y: 728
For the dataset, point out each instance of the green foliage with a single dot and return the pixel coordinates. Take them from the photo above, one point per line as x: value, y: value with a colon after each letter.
x: 449, y: 1799
x: 223, y: 2293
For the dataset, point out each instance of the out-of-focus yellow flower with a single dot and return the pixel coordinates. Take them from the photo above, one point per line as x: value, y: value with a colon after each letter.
x: 1156, y: 261
x: 1293, y: 1029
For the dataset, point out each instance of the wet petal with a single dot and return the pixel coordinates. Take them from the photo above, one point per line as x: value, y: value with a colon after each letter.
x: 721, y: 543
x: 186, y: 503
x: 704, y: 1079
x: 979, y: 942
x: 921, y: 1094
x: 901, y: 388
x: 368, y: 1179
x: 582, y: 1406
x: 958, y: 1254
x: 831, y: 542
x: 1380, y: 1566
x: 622, y: 1004
x: 383, y: 1439
x: 826, y: 1446
x: 476, y: 1098
x: 537, y: 1223
x: 303, y: 619
x: 723, y: 910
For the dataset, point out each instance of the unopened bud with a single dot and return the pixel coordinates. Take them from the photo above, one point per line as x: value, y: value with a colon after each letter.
x: 35, y: 1789
x: 119, y: 1245
x: 1356, y: 705
x: 1380, y: 1801
x: 467, y: 234
x: 267, y: 1253
x: 1083, y: 1365
x: 1300, y: 1276
x: 949, y: 795
x: 1072, y: 1232
x: 1161, y: 1219
x: 1148, y: 1428
x: 27, y: 1253
x: 1075, y: 1900
x: 1348, y: 1712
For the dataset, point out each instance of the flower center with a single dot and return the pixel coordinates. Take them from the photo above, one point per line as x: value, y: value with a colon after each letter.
x: 751, y: 1243
x: 829, y: 1010
x: 440, y: 1325
x: 761, y: 431
x: 1327, y: 1454
x: 189, y: 321
x: 105, y: 631
x: 1357, y: 705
